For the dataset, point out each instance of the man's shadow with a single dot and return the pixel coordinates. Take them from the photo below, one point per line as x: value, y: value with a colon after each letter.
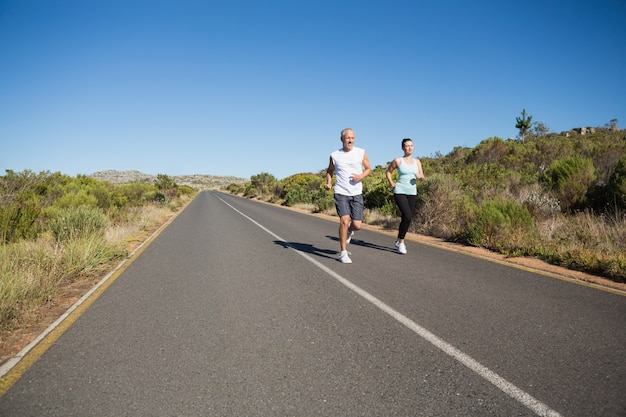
x: 329, y: 253
x: 308, y: 248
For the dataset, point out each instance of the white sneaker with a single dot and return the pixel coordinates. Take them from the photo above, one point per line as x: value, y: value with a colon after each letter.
x: 344, y: 257
x: 350, y: 236
x: 401, y: 248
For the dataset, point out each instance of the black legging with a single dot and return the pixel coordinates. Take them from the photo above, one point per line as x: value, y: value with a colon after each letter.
x: 406, y: 204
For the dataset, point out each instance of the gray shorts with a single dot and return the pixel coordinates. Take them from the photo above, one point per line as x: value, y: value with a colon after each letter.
x: 349, y: 206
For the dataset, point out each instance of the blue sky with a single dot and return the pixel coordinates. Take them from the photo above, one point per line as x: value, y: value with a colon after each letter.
x: 238, y: 87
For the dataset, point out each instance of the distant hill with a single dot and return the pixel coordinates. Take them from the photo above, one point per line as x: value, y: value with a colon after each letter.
x: 196, y: 181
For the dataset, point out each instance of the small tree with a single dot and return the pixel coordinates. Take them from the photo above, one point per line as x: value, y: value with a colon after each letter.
x: 523, y: 124
x: 166, y: 185
x: 262, y: 184
x: 612, y: 125
x: 541, y: 129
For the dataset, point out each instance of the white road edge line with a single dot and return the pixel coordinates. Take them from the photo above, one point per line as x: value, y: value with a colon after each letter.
x: 505, y: 386
x: 12, y: 362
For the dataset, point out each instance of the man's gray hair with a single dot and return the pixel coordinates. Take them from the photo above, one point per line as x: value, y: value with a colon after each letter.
x: 343, y: 132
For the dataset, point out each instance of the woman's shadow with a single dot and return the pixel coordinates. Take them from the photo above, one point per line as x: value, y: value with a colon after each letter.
x: 358, y: 242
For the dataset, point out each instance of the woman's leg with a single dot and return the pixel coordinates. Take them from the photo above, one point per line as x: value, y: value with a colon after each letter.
x: 406, y: 204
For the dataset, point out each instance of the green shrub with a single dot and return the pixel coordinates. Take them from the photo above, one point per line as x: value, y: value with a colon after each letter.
x: 479, y: 177
x: 298, y: 194
x: 158, y: 197
x: 166, y: 185
x: 75, y: 199
x: 502, y: 225
x: 570, y: 179
x: 76, y: 222
x: 376, y: 191
x: 389, y: 208
x: 136, y: 194
x: 299, y: 188
x: 323, y: 201
x: 235, y: 188
x: 262, y: 184
x: 19, y: 221
x: 186, y: 190
x: 617, y: 184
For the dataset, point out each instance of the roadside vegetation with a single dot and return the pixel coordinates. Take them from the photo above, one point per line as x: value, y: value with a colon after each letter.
x: 55, y: 229
x: 558, y: 197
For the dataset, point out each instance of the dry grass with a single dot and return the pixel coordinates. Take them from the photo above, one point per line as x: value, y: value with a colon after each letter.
x: 33, y: 272
x: 585, y: 242
x: 581, y: 242
x: 376, y: 218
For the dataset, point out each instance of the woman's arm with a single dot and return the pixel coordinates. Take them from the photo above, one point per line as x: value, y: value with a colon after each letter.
x: 392, y: 167
x: 420, y: 171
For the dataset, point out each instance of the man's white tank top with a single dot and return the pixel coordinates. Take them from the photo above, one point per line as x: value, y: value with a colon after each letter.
x: 347, y: 164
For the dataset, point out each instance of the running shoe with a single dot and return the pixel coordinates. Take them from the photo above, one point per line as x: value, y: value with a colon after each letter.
x: 401, y: 248
x: 344, y: 257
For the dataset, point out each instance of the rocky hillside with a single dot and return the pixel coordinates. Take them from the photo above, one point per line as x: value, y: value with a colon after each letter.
x: 196, y: 181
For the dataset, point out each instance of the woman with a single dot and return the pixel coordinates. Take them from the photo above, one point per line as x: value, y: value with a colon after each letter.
x: 404, y: 189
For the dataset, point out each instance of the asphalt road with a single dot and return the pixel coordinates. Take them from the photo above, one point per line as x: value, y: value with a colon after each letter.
x: 240, y: 308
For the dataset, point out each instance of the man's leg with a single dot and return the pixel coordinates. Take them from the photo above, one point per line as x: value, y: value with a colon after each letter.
x: 356, y: 213
x: 344, y: 225
x: 342, y: 204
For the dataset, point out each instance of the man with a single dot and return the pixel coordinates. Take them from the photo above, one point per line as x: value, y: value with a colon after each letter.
x: 350, y: 165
